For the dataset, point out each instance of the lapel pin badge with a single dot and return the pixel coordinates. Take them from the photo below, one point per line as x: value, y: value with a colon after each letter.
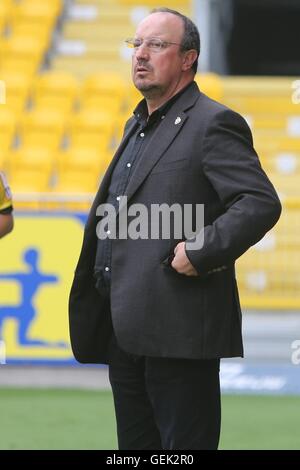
x: 177, y: 121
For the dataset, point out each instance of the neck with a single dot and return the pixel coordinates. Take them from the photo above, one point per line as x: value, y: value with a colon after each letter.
x: 156, y: 101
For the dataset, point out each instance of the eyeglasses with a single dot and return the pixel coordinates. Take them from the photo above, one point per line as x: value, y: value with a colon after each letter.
x: 154, y: 44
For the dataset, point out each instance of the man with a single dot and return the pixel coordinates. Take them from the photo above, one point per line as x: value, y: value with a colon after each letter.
x: 162, y: 312
x: 6, y: 217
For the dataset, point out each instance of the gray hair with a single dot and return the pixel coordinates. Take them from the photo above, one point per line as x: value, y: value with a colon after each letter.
x: 191, y: 36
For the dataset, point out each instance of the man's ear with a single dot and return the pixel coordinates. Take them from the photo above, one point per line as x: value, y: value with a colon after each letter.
x: 189, y: 58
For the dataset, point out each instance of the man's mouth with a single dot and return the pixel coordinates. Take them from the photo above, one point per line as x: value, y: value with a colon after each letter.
x: 142, y: 69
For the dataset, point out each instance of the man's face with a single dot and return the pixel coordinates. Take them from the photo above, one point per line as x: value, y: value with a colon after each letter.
x: 156, y: 73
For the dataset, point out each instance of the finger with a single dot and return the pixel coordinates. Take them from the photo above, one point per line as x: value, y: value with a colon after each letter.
x: 177, y: 247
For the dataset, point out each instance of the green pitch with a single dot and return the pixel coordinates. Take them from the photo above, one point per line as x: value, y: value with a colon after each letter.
x: 72, y: 419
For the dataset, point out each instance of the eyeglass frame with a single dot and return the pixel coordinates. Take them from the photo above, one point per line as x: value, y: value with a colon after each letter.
x: 163, y: 44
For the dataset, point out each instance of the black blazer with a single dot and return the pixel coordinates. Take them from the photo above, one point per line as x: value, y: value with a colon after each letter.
x: 205, y: 157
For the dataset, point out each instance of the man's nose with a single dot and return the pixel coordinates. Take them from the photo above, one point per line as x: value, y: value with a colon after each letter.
x: 142, y: 52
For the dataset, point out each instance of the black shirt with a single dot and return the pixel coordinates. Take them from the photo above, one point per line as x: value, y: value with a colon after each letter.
x: 123, y: 171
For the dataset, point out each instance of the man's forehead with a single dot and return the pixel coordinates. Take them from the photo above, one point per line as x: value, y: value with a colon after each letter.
x: 161, y: 23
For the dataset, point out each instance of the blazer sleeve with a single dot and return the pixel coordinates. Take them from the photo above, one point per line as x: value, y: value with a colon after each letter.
x: 251, y: 205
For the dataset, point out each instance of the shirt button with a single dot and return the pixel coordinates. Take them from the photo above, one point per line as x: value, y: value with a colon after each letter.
x: 129, y: 165
x: 142, y: 134
x: 163, y: 117
x: 108, y: 232
x: 118, y: 198
x: 106, y: 268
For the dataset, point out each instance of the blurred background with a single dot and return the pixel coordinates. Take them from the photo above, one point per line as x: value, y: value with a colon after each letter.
x: 65, y: 93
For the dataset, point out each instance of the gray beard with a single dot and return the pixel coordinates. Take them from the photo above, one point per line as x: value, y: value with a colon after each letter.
x: 149, y: 91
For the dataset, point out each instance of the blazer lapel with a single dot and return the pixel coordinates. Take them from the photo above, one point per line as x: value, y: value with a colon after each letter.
x: 166, y: 133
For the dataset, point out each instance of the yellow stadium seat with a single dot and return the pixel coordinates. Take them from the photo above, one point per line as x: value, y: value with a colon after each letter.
x: 266, y: 284
x: 4, y: 160
x: 268, y: 274
x: 257, y: 86
x: 269, y: 133
x: 121, y: 121
x: 103, y: 52
x: 55, y: 90
x: 285, y: 184
x: 103, y: 84
x: 36, y: 12
x: 211, y: 84
x: 252, y: 104
x: 271, y: 122
x: 85, y: 159
x: 29, y: 181
x: 77, y: 181
x: 272, y: 261
x: 91, y: 129
x: 119, y: 17
x: 282, y: 163
x: 135, y: 97
x: 36, y: 31
x: 7, y: 3
x: 259, y: 95
x: 77, y: 29
x: 82, y: 67
x: 17, y: 89
x: 31, y: 159
x: 100, y: 3
x: 42, y: 128
x: 7, y: 128
x: 26, y: 47
x: 103, y: 103
x: 182, y: 5
x: 104, y: 91
x: 19, y: 66
x: 4, y: 10
x: 276, y: 144
x: 21, y: 53
x: 87, y: 139
x: 105, y: 14
x: 54, y: 6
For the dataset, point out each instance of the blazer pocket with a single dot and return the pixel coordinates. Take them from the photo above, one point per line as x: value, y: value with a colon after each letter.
x: 167, y: 261
x: 167, y: 264
x: 171, y: 165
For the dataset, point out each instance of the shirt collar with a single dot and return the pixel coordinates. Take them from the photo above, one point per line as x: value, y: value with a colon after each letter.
x: 141, y: 110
